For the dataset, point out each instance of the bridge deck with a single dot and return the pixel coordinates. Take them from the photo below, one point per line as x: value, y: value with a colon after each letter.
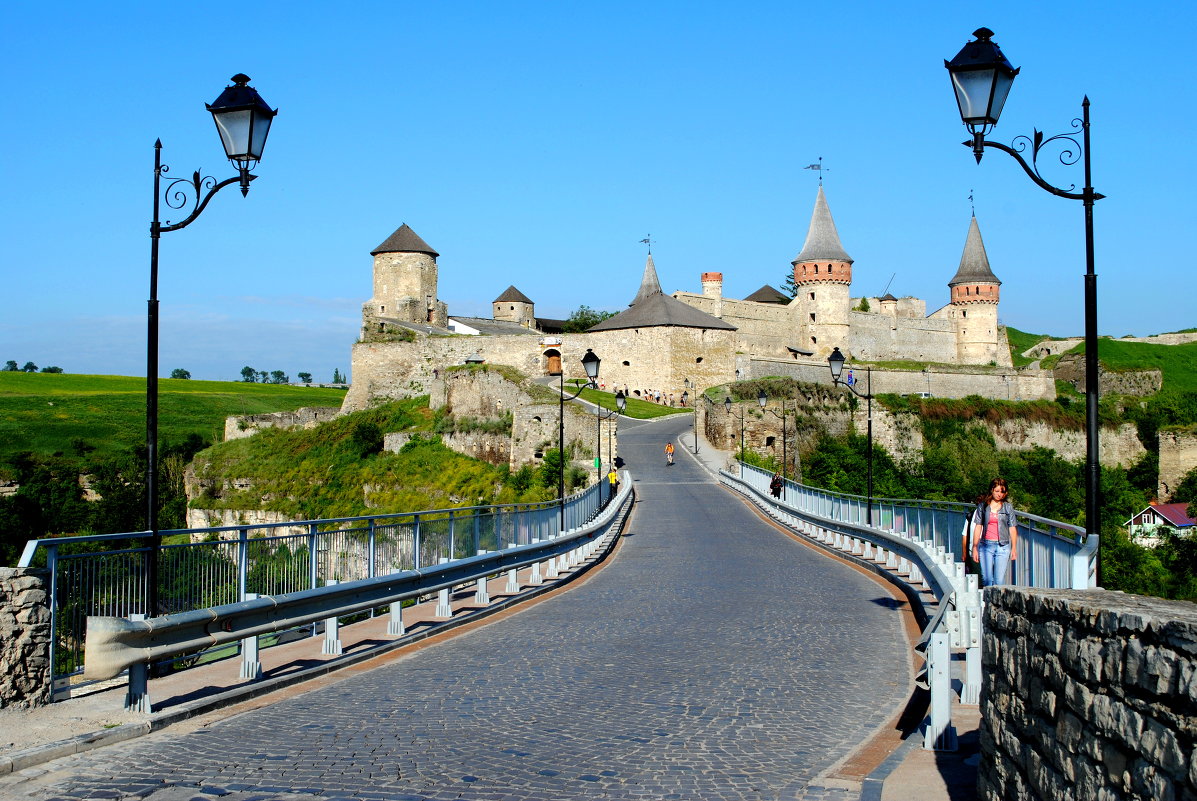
x: 712, y: 658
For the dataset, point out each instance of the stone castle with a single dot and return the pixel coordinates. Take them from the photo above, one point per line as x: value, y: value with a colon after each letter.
x: 687, y: 342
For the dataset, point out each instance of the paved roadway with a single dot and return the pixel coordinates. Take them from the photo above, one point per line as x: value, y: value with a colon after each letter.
x: 713, y: 658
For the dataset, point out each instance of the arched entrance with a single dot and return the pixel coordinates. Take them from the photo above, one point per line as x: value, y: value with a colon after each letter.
x: 552, y: 362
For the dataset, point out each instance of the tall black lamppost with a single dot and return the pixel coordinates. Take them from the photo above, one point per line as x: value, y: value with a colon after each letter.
x: 982, y: 77
x: 243, y: 122
x: 763, y: 399
x: 601, y: 414
x: 727, y: 407
x: 590, y: 363
x: 836, y: 362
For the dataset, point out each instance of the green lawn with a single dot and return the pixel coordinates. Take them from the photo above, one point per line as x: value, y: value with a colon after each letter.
x: 45, y: 412
x: 1179, y: 362
x: 641, y: 410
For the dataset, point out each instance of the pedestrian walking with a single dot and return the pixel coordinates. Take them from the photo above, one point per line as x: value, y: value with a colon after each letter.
x: 775, y: 486
x: 994, y: 533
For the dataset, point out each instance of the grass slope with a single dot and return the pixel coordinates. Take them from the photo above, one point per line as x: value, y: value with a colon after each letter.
x: 45, y: 412
x: 1179, y: 362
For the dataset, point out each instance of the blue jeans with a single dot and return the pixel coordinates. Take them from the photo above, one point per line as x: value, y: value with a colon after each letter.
x: 995, y: 558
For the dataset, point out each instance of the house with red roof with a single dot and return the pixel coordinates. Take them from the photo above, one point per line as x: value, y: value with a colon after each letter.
x: 1148, y: 525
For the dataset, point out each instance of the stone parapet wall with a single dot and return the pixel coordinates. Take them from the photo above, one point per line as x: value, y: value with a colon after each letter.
x: 879, y: 337
x: 24, y: 637
x: 1087, y: 695
x: 1071, y: 368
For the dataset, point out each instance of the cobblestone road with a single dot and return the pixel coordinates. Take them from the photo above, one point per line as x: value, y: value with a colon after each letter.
x: 714, y: 658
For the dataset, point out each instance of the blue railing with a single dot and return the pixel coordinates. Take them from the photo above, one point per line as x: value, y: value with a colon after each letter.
x: 1051, y: 554
x: 106, y: 574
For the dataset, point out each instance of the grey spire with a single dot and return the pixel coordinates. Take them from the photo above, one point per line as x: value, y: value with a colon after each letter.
x: 649, y: 285
x: 974, y: 264
x: 822, y: 240
x: 404, y: 240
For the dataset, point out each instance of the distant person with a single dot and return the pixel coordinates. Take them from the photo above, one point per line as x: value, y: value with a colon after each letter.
x: 668, y: 453
x: 995, y: 533
x: 613, y: 480
x: 775, y: 486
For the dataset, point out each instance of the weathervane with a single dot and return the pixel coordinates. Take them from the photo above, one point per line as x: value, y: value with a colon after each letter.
x: 818, y: 168
x: 648, y: 241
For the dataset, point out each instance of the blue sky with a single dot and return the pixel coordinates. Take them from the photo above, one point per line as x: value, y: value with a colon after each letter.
x: 536, y: 143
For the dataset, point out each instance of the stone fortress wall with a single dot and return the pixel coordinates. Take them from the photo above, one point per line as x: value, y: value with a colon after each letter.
x: 238, y: 427
x: 1087, y: 694
x: 1178, y: 455
x: 25, y: 634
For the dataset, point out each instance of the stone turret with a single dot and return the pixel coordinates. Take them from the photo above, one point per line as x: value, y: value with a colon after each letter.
x: 974, y: 305
x: 712, y: 287
x: 514, y: 306
x: 823, y: 275
x: 405, y: 284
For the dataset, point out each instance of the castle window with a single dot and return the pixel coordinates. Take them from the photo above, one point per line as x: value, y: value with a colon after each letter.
x: 513, y: 308
x: 816, y: 269
x: 812, y: 295
x: 382, y: 309
x: 814, y: 340
x: 698, y: 360
x: 627, y: 364
x: 964, y: 313
x: 812, y: 317
x: 769, y: 441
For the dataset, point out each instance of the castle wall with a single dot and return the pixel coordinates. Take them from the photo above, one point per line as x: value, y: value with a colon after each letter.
x: 238, y: 427
x: 764, y: 328
x: 1178, y: 455
x: 878, y: 337
x: 940, y: 382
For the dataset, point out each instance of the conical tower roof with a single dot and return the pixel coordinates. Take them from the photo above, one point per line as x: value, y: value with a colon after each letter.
x: 512, y: 295
x: 649, y: 285
x: 822, y: 240
x: 404, y: 240
x: 974, y: 263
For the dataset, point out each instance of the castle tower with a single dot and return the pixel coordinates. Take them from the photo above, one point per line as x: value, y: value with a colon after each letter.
x: 823, y: 275
x: 405, y: 281
x: 515, y: 307
x: 712, y: 287
x: 974, y: 304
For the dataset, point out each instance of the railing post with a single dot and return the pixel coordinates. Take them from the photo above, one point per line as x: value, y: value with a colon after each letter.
x: 481, y: 595
x: 251, y: 665
x: 370, y: 552
x: 535, y: 578
x: 443, y: 608
x: 332, y: 639
x: 452, y: 536
x: 52, y: 566
x: 242, y: 562
x: 395, y: 623
x: 938, y: 733
x: 415, y: 543
x: 137, y: 697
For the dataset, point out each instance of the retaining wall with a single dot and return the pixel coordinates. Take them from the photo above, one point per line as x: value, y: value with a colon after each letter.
x: 1087, y: 694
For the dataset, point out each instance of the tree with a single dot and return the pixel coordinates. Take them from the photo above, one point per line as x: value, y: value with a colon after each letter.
x: 52, y: 369
x: 366, y: 439
x: 584, y: 317
x: 337, y: 377
x: 29, y: 367
x: 179, y: 372
x: 789, y: 286
x: 305, y: 377
x: 249, y: 374
x: 1186, y: 489
x: 279, y: 377
x: 10, y: 366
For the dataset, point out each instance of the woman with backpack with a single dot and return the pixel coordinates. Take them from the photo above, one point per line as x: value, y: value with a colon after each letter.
x: 995, y: 533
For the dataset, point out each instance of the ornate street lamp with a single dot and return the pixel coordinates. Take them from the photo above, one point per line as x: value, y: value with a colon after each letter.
x: 590, y: 363
x: 836, y: 362
x: 982, y: 77
x: 243, y: 121
x: 727, y: 407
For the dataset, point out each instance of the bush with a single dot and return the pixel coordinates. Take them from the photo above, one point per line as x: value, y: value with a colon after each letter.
x: 366, y: 439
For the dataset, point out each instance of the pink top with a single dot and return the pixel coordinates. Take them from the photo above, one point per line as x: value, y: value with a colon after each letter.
x: 991, y: 530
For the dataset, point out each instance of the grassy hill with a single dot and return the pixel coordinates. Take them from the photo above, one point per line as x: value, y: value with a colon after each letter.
x: 46, y: 412
x: 1179, y: 362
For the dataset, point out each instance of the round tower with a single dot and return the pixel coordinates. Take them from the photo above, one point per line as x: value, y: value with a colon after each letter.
x: 515, y: 307
x: 405, y: 280
x: 974, y: 304
x: 823, y: 276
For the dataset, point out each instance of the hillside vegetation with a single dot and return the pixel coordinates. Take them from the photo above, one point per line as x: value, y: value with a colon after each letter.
x: 338, y: 469
x: 47, y: 413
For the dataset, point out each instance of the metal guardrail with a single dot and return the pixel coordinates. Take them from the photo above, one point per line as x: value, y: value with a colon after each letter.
x: 118, y: 643
x: 1051, y: 554
x: 921, y: 542
x: 106, y: 574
